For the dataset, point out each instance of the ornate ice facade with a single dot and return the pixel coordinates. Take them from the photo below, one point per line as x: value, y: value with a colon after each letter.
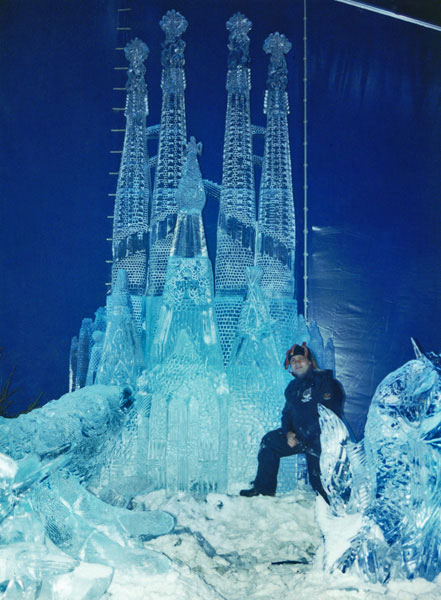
x: 203, y: 354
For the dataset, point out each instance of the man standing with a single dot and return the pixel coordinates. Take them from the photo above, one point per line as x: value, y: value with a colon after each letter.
x: 300, y: 431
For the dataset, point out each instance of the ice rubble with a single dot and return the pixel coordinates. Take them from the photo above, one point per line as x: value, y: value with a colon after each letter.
x: 50, y: 520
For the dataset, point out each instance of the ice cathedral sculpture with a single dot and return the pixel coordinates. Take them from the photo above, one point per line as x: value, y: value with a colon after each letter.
x: 187, y: 388
x: 388, y: 487
x: 183, y: 317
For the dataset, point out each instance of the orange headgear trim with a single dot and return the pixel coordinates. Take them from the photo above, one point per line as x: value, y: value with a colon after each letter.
x: 296, y: 349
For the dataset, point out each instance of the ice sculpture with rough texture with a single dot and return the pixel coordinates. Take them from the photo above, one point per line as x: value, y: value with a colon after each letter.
x: 63, y: 451
x: 391, y: 479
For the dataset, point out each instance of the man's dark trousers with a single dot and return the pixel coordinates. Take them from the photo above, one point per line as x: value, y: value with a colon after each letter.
x: 273, y: 447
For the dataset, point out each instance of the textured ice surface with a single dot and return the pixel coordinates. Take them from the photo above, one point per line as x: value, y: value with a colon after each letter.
x: 187, y: 389
x: 257, y: 383
x: 394, y: 476
x: 181, y: 416
x: 87, y: 440
x: 121, y: 357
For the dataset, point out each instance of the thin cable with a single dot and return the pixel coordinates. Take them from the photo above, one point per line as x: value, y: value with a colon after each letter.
x: 305, y: 167
x: 389, y: 13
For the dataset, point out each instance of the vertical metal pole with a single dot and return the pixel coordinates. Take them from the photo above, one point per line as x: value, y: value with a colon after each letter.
x: 305, y: 167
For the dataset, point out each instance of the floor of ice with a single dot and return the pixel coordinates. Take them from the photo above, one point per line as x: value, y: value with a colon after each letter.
x: 225, y: 547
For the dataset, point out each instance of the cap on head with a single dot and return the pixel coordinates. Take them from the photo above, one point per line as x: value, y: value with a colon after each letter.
x: 302, y: 350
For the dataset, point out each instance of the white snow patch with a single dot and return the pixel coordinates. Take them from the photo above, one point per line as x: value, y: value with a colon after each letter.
x: 225, y: 546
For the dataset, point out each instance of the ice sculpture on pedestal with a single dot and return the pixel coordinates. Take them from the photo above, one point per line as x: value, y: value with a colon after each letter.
x: 187, y: 387
x: 391, y: 480
x: 122, y: 358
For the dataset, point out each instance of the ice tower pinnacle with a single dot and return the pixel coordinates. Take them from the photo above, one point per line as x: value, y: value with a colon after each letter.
x: 130, y: 223
x: 172, y: 140
x: 189, y: 237
x: 188, y: 298
x: 276, y: 236
x: 276, y: 221
x: 237, y: 212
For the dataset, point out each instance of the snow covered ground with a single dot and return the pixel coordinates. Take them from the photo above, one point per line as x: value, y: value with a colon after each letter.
x: 224, y: 548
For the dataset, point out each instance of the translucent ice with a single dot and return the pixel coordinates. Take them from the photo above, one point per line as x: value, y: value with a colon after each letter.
x: 392, y: 478
x: 187, y: 389
x: 121, y: 356
x: 188, y: 299
x: 68, y: 448
x: 257, y: 382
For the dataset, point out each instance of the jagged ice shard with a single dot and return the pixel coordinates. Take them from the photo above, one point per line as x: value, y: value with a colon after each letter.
x: 389, y: 485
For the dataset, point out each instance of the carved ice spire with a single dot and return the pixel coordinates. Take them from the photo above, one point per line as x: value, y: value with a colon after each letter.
x: 238, y: 77
x: 172, y: 140
x: 276, y: 223
x: 189, y: 237
x: 130, y: 222
x: 121, y: 359
x: 136, y: 53
x: 236, y: 228
x: 277, y: 45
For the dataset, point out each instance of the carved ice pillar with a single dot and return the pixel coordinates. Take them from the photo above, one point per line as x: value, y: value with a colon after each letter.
x: 172, y: 140
x: 131, y: 216
x: 237, y: 212
x: 276, y: 220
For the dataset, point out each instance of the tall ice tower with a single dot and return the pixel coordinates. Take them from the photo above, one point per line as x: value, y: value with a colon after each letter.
x: 236, y: 229
x: 276, y: 222
x: 170, y: 162
x: 172, y: 141
x: 131, y: 216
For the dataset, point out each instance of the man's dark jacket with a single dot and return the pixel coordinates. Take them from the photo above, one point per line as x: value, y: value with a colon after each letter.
x: 300, y: 413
